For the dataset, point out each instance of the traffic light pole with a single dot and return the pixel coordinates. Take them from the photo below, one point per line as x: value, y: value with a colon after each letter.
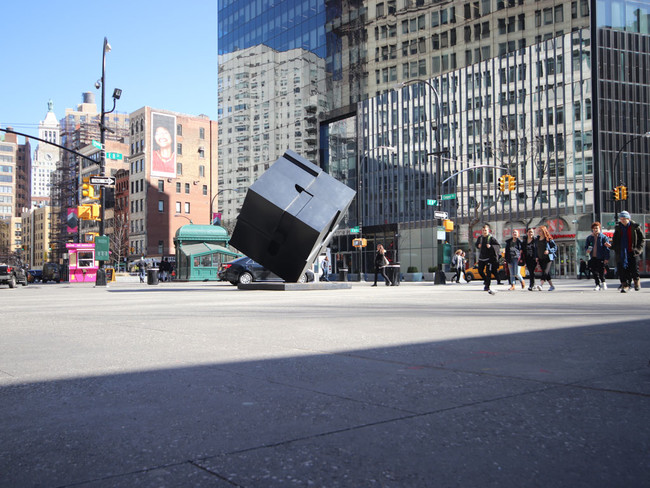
x: 101, y: 271
x: 615, y: 173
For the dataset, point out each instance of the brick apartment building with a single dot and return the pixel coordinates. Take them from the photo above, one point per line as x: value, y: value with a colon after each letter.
x: 172, y: 178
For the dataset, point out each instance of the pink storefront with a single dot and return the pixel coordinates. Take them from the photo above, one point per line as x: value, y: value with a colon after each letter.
x: 83, y: 266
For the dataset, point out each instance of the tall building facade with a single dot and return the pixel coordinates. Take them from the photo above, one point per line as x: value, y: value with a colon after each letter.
x: 46, y: 157
x: 253, y: 135
x: 172, y: 178
x: 15, y: 192
x: 554, y: 93
x: 36, y: 231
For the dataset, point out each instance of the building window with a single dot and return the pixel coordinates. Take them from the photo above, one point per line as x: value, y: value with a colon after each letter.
x: 187, y: 207
x: 202, y: 171
x: 205, y: 189
x: 187, y: 187
x: 179, y: 129
x: 161, y: 185
x: 161, y: 247
x: 178, y: 187
x: 179, y: 169
x: 179, y: 148
x: 178, y: 207
x: 201, y: 133
x: 201, y: 153
x: 161, y: 206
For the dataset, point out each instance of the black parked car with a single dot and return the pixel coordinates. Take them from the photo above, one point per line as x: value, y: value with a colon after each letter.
x: 12, y: 275
x: 34, y: 275
x: 245, y: 270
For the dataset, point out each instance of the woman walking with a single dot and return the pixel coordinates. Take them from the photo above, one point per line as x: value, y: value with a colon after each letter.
x: 514, y: 248
x: 458, y: 263
x: 380, y: 264
x: 546, y: 252
x: 529, y: 251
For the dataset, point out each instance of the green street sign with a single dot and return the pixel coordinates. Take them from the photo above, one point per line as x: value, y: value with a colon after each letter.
x: 355, y: 230
x: 448, y: 196
x: 101, y: 248
x: 431, y: 202
x: 97, y: 144
x: 114, y: 155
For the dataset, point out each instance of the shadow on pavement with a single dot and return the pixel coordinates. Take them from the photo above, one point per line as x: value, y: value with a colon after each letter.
x: 568, y: 407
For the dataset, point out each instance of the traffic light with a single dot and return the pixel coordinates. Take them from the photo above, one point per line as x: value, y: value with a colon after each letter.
x: 359, y: 242
x: 502, y: 183
x: 617, y: 193
x: 89, y: 211
x: 84, y: 213
x: 448, y: 225
x: 94, y: 211
x: 623, y: 192
x: 512, y: 183
x: 88, y: 190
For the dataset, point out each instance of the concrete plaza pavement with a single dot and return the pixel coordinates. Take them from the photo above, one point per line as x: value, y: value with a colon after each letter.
x: 421, y: 385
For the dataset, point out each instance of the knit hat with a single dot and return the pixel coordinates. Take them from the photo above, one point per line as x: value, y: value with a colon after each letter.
x: 624, y: 215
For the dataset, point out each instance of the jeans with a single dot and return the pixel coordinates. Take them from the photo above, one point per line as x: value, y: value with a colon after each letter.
x: 597, y: 267
x: 491, y: 268
x: 531, y: 264
x: 515, y: 272
x: 627, y: 275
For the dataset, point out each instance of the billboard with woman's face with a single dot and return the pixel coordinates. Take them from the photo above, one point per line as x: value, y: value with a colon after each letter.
x: 163, y: 145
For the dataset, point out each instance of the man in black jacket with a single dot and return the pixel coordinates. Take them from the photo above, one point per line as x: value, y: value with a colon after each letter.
x: 489, y: 251
x: 628, y: 246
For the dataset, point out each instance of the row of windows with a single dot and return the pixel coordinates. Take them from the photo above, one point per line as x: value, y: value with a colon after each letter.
x: 161, y: 187
x: 179, y: 206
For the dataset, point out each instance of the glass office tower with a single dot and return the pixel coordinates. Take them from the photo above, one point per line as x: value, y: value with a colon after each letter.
x: 541, y: 90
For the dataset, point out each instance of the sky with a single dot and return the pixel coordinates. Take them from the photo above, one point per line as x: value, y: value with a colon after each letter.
x: 164, y: 55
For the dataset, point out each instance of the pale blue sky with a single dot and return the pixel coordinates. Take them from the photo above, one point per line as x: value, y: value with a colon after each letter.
x: 164, y: 54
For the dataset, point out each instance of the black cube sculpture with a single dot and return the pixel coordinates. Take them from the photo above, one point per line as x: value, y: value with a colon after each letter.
x: 289, y: 215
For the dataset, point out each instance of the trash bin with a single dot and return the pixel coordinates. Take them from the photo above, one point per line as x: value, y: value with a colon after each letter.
x: 343, y: 274
x: 393, y: 272
x: 152, y: 276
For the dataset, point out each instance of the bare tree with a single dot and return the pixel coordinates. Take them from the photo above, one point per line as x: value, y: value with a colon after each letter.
x: 119, y: 239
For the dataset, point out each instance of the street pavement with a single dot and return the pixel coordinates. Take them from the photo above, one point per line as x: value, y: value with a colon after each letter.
x: 418, y: 385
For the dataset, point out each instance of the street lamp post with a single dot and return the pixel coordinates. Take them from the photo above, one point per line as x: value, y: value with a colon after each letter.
x: 360, y: 198
x: 185, y: 217
x: 615, y: 170
x: 117, y: 93
x: 237, y: 190
x: 438, y: 152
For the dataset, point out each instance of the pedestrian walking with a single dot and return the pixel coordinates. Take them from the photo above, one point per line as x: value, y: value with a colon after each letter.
x: 583, y: 269
x: 142, y: 269
x: 628, y: 245
x: 529, y: 251
x: 458, y: 265
x: 546, y: 253
x: 326, y: 268
x: 381, y: 261
x: 513, y: 255
x: 489, y: 252
x: 597, y: 248
x: 164, y: 270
